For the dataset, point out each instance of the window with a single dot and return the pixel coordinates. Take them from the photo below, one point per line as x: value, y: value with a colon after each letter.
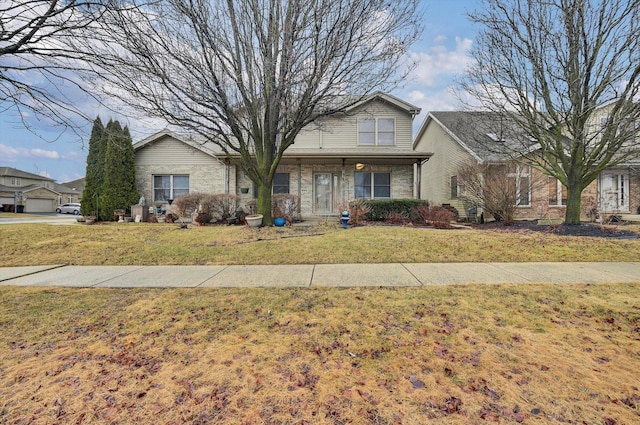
x: 47, y: 185
x: 69, y: 198
x: 15, y: 181
x: 169, y: 187
x: 455, y: 189
x: 557, y: 193
x: 377, y: 131
x: 281, y: 183
x: 373, y: 185
x: 522, y: 180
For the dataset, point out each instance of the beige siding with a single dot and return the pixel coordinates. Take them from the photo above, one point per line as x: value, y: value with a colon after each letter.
x: 435, y: 185
x: 171, y: 157
x: 169, y: 151
x: 342, y: 132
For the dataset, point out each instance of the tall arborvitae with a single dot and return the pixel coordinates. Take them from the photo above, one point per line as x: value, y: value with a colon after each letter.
x: 119, y: 187
x: 94, y: 171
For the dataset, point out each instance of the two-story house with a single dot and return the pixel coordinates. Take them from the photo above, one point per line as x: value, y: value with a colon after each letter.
x: 20, y: 190
x: 457, y: 138
x: 366, y: 152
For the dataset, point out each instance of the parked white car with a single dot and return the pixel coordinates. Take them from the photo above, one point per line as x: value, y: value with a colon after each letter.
x: 68, y: 209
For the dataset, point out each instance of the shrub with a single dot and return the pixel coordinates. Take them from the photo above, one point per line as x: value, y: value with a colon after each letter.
x: 187, y: 204
x: 224, y: 205
x: 397, y: 218
x: 284, y: 205
x: 440, y: 217
x: 358, y: 209
x: 379, y: 209
x: 204, y: 207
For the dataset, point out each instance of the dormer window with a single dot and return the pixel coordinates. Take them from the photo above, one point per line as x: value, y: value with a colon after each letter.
x: 377, y: 131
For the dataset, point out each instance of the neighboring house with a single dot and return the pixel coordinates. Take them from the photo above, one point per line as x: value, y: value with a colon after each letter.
x: 29, y: 192
x: 71, y: 191
x: 364, y: 153
x: 458, y: 137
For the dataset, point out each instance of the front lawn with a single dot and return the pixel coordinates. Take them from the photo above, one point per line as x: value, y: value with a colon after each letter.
x: 149, y: 244
x: 537, y: 354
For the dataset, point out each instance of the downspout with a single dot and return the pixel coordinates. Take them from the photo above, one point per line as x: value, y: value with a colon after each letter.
x: 299, y: 207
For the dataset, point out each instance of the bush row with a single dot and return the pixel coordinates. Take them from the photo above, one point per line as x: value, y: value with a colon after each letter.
x: 379, y: 209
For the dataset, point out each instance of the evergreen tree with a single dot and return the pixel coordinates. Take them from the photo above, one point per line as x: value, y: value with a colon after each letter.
x: 94, y: 171
x: 119, y: 186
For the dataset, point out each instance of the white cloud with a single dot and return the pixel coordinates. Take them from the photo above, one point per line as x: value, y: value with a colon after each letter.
x: 11, y: 154
x: 440, y: 62
x: 41, y: 153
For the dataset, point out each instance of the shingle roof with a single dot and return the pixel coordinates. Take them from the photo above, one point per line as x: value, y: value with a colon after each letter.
x: 14, y: 172
x: 490, y: 136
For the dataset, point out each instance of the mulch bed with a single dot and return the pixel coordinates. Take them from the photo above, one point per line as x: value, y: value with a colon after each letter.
x: 585, y: 229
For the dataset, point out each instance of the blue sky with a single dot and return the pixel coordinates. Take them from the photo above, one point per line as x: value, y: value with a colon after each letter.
x: 442, y: 52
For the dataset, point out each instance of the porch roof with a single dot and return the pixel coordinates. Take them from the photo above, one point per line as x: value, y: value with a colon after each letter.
x: 351, y: 156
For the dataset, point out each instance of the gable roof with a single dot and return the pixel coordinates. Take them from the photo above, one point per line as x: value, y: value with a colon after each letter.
x: 385, y: 97
x: 76, y: 185
x: 188, y: 139
x: 14, y: 172
x: 487, y: 136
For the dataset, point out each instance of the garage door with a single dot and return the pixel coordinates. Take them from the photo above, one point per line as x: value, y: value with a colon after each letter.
x: 8, y: 201
x: 39, y: 205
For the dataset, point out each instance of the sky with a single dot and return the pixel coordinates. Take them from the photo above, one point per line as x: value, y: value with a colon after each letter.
x: 442, y: 53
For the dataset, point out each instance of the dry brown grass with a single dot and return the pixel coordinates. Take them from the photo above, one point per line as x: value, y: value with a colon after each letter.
x: 456, y: 355
x: 149, y: 244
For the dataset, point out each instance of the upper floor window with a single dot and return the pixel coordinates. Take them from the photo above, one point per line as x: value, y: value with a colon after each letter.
x: 372, y: 185
x: 47, y: 185
x: 15, y: 181
x: 167, y: 187
x: 377, y: 131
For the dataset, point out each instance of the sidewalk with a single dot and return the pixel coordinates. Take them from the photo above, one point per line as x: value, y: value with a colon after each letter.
x: 318, y: 275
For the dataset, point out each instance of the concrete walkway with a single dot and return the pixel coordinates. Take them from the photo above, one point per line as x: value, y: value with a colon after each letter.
x: 318, y: 275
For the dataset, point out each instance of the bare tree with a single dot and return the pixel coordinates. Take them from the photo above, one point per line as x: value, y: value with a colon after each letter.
x: 248, y: 75
x: 499, y: 187
x: 37, y: 62
x: 556, y: 67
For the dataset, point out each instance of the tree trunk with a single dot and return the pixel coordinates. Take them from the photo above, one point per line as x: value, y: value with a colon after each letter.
x: 574, y: 199
x: 264, y: 203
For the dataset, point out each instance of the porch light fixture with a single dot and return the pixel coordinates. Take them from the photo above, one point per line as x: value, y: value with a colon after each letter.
x: 360, y: 166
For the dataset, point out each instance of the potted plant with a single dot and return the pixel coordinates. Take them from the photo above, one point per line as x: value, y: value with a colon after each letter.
x: 254, y: 220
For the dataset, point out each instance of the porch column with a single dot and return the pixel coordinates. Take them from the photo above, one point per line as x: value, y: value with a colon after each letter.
x: 227, y: 176
x: 418, y: 177
x: 343, y: 180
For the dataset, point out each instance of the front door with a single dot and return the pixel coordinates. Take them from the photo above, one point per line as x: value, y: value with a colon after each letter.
x: 323, y: 189
x: 614, y: 192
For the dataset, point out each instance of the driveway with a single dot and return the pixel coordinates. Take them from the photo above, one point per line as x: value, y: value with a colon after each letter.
x: 51, y: 218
